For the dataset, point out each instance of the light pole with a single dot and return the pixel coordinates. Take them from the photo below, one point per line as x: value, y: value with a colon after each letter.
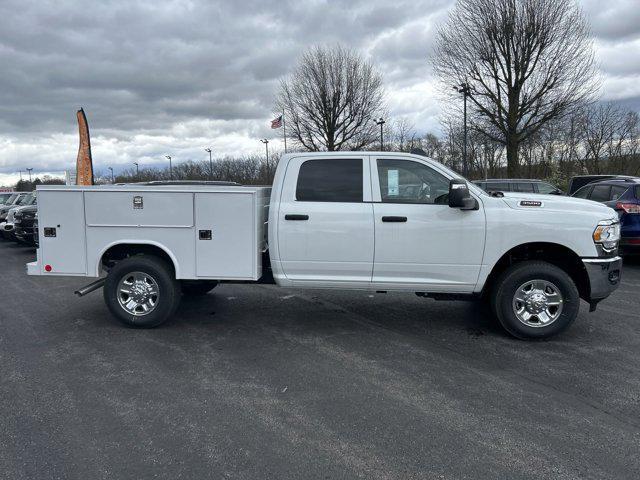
x: 112, y: 181
x: 168, y: 157
x: 465, y: 90
x: 137, y: 170
x: 29, y: 170
x: 381, y: 122
x: 266, y: 146
x: 210, y: 163
x: 20, y: 172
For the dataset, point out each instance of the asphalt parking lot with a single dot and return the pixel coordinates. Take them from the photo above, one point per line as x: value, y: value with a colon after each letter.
x: 259, y: 382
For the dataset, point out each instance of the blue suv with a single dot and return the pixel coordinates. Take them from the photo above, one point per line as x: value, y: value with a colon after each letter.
x: 623, y: 195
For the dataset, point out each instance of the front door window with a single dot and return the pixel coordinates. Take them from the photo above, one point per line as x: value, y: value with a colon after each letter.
x: 404, y: 181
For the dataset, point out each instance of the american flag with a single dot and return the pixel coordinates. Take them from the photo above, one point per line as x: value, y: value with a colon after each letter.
x: 276, y: 122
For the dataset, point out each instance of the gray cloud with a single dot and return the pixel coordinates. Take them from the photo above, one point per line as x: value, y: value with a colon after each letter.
x: 613, y: 20
x: 160, y: 77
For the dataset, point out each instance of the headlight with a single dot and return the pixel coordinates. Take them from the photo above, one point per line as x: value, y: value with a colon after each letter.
x: 607, y: 234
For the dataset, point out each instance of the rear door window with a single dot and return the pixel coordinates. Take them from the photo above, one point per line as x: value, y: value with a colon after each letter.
x: 546, y: 188
x: 583, y: 192
x: 329, y: 180
x: 497, y: 187
x: 525, y: 187
x: 617, y: 192
x: 600, y: 193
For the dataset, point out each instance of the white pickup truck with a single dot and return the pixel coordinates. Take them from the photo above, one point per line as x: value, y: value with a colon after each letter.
x: 376, y: 221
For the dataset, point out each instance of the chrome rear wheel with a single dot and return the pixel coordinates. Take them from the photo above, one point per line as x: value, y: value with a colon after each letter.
x: 141, y: 291
x: 138, y: 293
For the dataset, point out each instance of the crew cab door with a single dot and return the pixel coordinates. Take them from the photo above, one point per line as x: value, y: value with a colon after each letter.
x: 419, y: 239
x: 325, y: 221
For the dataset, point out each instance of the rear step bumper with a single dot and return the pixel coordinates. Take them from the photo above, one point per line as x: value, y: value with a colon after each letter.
x: 33, y: 268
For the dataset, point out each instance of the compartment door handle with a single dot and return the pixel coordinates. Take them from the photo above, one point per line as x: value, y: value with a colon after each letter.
x: 291, y: 216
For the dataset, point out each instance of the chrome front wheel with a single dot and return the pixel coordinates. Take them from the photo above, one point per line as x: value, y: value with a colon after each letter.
x: 537, y: 303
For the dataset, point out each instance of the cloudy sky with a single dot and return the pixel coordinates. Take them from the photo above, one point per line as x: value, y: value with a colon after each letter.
x: 173, y: 77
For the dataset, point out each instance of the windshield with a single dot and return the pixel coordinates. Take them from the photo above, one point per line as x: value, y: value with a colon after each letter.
x: 4, y: 197
x: 24, y: 200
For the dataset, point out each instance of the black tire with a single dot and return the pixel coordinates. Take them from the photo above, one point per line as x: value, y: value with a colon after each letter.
x: 503, y: 298
x: 168, y: 288
x: 197, y: 287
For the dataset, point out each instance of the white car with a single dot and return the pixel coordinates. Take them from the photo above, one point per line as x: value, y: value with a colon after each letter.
x: 343, y: 220
x: 7, y: 228
x: 13, y: 200
x: 8, y: 210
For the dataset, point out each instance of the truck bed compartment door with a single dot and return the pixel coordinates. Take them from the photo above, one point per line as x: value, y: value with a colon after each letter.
x: 225, y: 236
x: 62, y: 232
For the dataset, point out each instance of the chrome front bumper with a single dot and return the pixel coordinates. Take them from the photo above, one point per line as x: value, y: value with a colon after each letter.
x: 604, y: 277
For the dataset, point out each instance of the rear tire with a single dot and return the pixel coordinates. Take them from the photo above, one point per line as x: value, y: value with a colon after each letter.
x: 197, y: 288
x: 535, y: 300
x: 141, y: 291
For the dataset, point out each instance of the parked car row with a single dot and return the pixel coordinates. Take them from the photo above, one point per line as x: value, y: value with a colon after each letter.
x: 18, y: 217
x: 522, y: 185
x: 620, y: 192
x: 623, y: 195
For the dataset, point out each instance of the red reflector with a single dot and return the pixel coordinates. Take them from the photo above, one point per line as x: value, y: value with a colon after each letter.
x: 47, y: 268
x: 633, y: 241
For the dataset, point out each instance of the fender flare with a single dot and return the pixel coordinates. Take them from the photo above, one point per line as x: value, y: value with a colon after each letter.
x: 152, y: 243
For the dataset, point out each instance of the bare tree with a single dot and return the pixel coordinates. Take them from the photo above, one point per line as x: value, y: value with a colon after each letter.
x: 598, y: 124
x: 526, y: 62
x: 622, y: 143
x: 404, y: 133
x: 633, y: 143
x: 566, y: 135
x: 331, y: 99
x: 432, y: 146
x: 247, y: 170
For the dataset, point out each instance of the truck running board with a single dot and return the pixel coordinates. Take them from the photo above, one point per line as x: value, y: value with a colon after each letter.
x: 81, y: 292
x: 449, y: 296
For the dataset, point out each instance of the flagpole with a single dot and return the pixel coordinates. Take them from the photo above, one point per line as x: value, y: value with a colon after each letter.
x: 284, y: 131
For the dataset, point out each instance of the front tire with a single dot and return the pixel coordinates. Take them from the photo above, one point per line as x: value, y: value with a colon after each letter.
x: 535, y: 300
x: 141, y: 291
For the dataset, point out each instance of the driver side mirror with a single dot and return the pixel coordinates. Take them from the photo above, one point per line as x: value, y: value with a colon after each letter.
x: 459, y: 196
